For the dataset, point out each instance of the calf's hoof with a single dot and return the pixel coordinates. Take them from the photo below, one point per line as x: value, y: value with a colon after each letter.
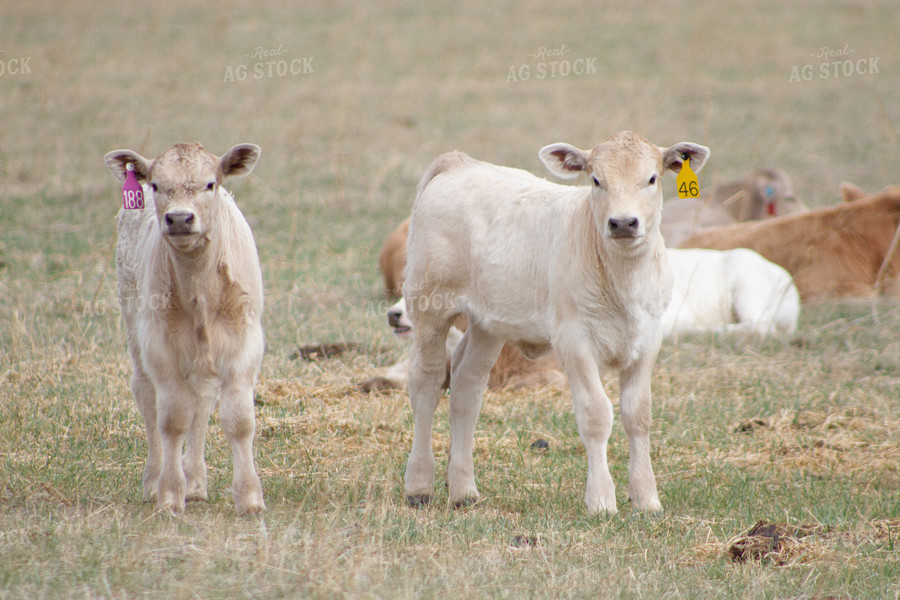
x: 602, y: 509
x: 197, y: 496
x: 467, y: 501
x: 249, y: 502
x: 418, y: 500
x: 652, y: 507
x: 172, y: 507
x: 250, y: 510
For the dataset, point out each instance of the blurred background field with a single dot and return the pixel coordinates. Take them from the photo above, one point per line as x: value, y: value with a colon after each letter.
x: 797, y: 430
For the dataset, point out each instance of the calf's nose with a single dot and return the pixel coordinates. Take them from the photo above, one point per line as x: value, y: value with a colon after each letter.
x: 624, y: 226
x: 179, y: 222
x: 394, y: 317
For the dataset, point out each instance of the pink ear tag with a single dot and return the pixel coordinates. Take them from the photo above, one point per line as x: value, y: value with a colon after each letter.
x: 132, y: 192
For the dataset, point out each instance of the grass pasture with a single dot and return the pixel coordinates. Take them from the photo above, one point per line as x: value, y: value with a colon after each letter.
x: 802, y: 431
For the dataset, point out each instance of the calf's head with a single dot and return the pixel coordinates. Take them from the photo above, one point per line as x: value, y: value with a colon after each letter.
x: 770, y: 195
x: 399, y: 321
x: 184, y: 181
x: 625, y: 171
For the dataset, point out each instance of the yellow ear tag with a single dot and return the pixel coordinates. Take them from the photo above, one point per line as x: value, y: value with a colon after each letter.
x: 687, y: 181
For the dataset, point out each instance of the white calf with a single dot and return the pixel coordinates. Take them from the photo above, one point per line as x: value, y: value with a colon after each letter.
x: 581, y: 270
x: 191, y: 293
x: 733, y: 290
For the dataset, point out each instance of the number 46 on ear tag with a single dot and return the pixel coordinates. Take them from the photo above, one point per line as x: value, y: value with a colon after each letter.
x: 687, y: 180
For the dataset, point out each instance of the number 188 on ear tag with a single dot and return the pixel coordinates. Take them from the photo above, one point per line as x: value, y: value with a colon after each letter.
x: 132, y: 192
x: 687, y: 181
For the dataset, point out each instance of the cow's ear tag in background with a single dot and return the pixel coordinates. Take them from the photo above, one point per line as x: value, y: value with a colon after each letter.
x: 132, y: 192
x: 770, y: 201
x: 687, y: 180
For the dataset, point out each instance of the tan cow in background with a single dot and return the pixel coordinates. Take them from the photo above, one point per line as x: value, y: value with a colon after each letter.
x: 191, y: 293
x: 849, y: 249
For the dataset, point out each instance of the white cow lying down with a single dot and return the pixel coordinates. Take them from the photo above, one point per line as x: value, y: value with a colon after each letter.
x: 732, y: 290
x: 191, y: 293
x: 581, y: 270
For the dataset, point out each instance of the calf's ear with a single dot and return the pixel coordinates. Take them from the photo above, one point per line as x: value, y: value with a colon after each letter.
x: 118, y: 161
x: 673, y: 157
x: 239, y: 161
x: 564, y: 160
x: 851, y: 192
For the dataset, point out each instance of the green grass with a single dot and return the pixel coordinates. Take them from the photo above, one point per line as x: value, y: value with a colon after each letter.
x: 801, y: 430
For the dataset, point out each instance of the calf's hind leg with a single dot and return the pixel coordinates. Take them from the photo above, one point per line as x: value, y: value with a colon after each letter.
x: 471, y: 366
x: 427, y: 374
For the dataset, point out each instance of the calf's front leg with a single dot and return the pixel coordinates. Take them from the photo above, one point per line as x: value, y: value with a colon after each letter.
x: 635, y: 405
x: 145, y: 398
x: 239, y: 424
x: 195, y: 447
x: 173, y: 414
x: 594, y: 416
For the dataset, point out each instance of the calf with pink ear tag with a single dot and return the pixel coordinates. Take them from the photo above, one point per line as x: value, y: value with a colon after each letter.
x: 132, y: 192
x: 191, y: 293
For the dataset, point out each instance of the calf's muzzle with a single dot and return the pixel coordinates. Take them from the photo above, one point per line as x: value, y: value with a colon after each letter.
x: 624, y: 227
x: 179, y: 222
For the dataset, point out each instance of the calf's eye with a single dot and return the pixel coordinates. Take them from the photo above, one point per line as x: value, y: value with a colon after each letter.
x: 211, y: 186
x: 652, y: 179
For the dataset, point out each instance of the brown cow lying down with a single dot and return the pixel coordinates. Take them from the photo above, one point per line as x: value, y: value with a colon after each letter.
x: 842, y: 250
x: 761, y: 194
x: 512, y: 369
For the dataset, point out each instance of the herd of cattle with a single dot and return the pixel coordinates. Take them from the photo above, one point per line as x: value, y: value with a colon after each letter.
x: 507, y: 280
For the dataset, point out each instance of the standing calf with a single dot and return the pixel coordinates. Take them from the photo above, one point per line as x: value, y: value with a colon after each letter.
x: 581, y: 270
x: 191, y: 293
